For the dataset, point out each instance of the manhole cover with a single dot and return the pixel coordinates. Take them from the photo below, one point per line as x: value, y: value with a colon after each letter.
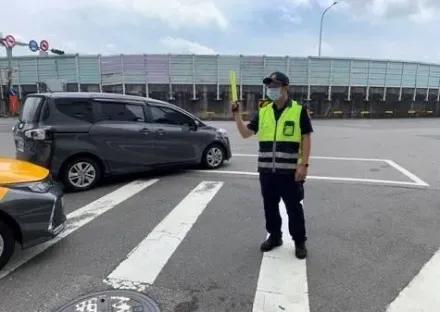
x: 112, y: 301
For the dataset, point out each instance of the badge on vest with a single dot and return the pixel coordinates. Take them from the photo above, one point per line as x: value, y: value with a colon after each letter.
x: 289, y: 128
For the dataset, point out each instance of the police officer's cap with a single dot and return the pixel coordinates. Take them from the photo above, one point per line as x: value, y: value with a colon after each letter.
x: 277, y: 77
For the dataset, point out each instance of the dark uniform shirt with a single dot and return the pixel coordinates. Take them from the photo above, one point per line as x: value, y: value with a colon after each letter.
x: 305, y: 123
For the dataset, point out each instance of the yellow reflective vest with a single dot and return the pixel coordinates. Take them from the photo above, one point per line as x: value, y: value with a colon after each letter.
x: 279, y: 141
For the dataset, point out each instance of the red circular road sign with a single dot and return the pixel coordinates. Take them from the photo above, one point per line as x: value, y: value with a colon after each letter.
x: 44, y: 45
x: 9, y: 41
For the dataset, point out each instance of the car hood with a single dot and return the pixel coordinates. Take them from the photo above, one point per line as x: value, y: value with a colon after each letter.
x: 18, y: 171
x: 209, y: 127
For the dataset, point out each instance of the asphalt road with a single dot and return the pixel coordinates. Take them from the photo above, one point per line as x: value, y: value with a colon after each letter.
x: 193, y: 246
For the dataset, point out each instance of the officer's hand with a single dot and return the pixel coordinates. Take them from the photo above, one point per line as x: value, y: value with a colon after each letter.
x: 235, y: 109
x: 301, y: 173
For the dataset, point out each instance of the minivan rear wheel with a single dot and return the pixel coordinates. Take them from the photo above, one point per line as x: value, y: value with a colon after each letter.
x: 7, y: 244
x: 81, y: 174
x: 213, y: 157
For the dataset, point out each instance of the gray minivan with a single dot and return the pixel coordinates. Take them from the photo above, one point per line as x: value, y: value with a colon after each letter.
x: 82, y: 136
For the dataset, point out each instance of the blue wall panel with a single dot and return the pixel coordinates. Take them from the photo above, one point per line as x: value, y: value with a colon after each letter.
x: 359, y: 72
x: 252, y: 70
x: 377, y: 73
x: 67, y: 69
x: 298, y: 70
x: 422, y: 77
x: 273, y: 64
x: 394, y: 74
x: 47, y: 68
x: 135, y: 70
x: 409, y: 74
x: 434, y: 79
x: 205, y: 69
x: 89, y: 69
x: 182, y: 69
x: 111, y: 70
x: 340, y: 72
x: 320, y: 70
x: 226, y: 64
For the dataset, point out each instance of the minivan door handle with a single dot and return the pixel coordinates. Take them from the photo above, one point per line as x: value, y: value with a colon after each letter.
x: 160, y: 131
x: 144, y: 130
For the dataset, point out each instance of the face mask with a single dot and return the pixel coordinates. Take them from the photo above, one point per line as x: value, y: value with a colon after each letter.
x: 273, y: 93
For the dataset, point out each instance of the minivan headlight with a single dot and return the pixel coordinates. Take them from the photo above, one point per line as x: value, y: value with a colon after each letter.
x: 222, y: 131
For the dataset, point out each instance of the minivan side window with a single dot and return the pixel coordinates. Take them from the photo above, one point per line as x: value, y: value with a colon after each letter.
x: 169, y: 116
x: 80, y: 109
x: 119, y: 111
x: 30, y: 109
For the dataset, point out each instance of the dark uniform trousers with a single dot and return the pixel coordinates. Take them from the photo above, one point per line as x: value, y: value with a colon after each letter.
x: 277, y: 186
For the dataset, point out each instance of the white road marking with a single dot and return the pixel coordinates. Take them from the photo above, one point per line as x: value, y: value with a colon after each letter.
x: 422, y: 293
x: 413, y: 177
x: 322, y: 157
x: 144, y: 263
x: 410, y: 175
x: 357, y: 125
x: 79, y: 218
x: 311, y: 177
x: 282, y: 283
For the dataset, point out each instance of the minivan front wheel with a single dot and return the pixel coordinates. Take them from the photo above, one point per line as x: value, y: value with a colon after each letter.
x: 81, y: 174
x: 7, y: 244
x: 213, y: 157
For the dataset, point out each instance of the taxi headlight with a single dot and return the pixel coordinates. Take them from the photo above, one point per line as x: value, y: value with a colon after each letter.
x: 37, y: 187
x: 40, y: 187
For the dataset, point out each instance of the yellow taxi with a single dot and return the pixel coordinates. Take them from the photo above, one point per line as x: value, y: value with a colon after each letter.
x: 31, y: 206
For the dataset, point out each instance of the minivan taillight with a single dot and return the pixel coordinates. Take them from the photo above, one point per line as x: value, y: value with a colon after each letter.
x: 36, y: 134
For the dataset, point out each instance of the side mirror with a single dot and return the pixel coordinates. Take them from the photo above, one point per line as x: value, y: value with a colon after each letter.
x: 195, y: 125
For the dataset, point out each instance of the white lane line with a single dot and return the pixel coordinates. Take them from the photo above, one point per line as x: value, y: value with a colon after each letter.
x: 410, y: 175
x: 422, y: 293
x: 144, y: 263
x: 79, y: 218
x: 320, y: 157
x: 311, y: 177
x: 282, y: 283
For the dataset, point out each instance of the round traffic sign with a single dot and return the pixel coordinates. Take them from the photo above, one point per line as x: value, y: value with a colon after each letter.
x: 33, y: 46
x: 9, y: 41
x: 44, y: 45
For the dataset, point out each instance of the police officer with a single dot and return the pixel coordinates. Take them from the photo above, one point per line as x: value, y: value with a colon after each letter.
x: 284, y: 130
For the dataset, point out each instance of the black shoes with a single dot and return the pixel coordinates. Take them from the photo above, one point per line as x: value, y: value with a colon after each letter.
x: 273, y: 242
x: 300, y: 250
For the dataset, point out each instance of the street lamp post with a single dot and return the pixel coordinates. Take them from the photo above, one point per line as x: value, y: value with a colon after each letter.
x: 322, y: 25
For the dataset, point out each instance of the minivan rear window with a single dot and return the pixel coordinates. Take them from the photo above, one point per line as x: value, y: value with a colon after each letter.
x: 31, y: 109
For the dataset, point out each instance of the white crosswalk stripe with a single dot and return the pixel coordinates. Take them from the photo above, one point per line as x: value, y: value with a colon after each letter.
x: 275, y: 289
x: 147, y: 260
x: 281, y: 284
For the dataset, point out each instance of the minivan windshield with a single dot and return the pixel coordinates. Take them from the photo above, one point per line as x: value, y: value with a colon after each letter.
x: 30, y: 109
